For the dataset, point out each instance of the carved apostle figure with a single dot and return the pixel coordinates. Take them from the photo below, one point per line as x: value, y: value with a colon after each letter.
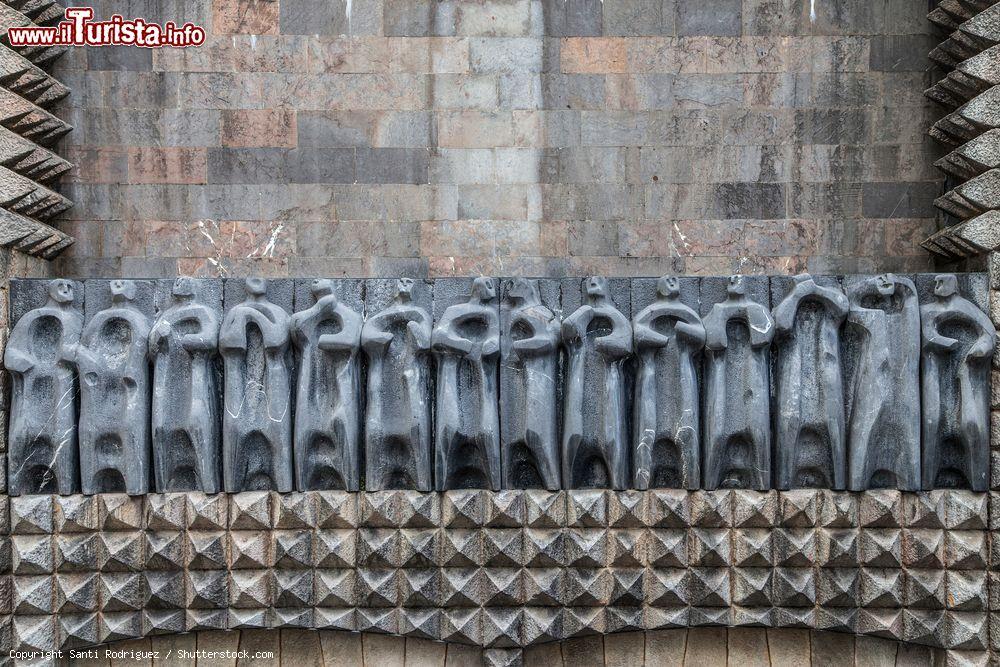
x: 598, y: 340
x: 884, y: 415
x: 810, y: 437
x: 467, y: 343
x: 257, y: 422
x: 737, y: 393
x: 397, y: 342
x: 668, y: 337
x: 184, y: 344
x: 958, y: 341
x: 42, y: 442
x: 327, y: 415
x: 529, y: 372
x: 113, y: 362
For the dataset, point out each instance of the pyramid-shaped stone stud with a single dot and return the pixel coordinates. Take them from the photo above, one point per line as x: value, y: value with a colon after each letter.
x: 421, y: 587
x: 540, y: 625
x: 668, y: 508
x: 466, y: 508
x: 966, y: 510
x: 378, y: 587
x: 543, y: 587
x: 418, y: 510
x: 35, y: 633
x: 881, y: 588
x: 164, y: 621
x: 166, y: 590
x: 544, y: 547
x: 119, y: 625
x: 462, y: 587
x: 627, y: 547
x: 78, y: 630
x: 503, y: 547
x: 421, y: 622
x: 31, y: 515
x: 964, y: 631
x: 293, y: 588
x: 581, y: 621
x: 250, y: 510
x: 752, y: 586
x: 965, y: 550
x: 462, y: 625
x: 250, y: 589
x: 502, y: 657
x: 837, y: 586
x: 799, y: 508
x: 835, y: 619
x: 293, y: 549
x: 290, y: 617
x: 165, y: 550
x: 794, y: 586
x: 838, y: 509
x: 587, y: 547
x: 709, y: 547
x: 32, y: 554
x: 966, y: 590
x: 74, y: 514
x: 627, y: 509
x: 588, y: 587
x: 753, y: 616
x: 502, y: 586
x: 837, y: 547
x: 925, y: 589
x: 627, y: 588
x: 508, y: 509
x: 207, y: 589
x: 335, y: 588
x: 709, y: 586
x: 122, y: 591
x: 544, y: 509
x: 712, y: 509
x: 624, y: 619
x: 923, y: 548
x: 250, y: 550
x: 206, y: 512
x: 922, y: 625
x: 124, y: 551
x: 754, y: 509
x: 336, y: 548
x: 924, y: 509
x: 378, y: 547
x: 339, y: 618
x: 795, y: 547
x: 587, y: 508
x: 501, y: 627
x: 166, y: 511
x: 667, y: 547
x: 881, y: 547
x: 384, y: 620
x: 881, y: 508
x: 241, y: 619
x: 293, y: 511
x: 711, y: 616
x: 419, y: 547
x: 656, y: 618
x: 206, y: 619
x: 336, y: 509
x: 380, y: 509
x: 886, y: 623
x: 753, y: 547
x: 667, y: 587
x: 207, y: 549
x: 79, y: 552
x: 461, y: 547
x: 117, y: 511
x: 33, y: 594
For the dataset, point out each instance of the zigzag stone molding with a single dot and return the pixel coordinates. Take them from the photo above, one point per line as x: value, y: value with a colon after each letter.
x: 970, y: 56
x: 499, y: 569
x: 28, y: 132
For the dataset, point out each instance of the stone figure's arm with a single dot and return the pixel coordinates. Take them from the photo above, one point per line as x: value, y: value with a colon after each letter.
x: 349, y: 336
x: 445, y: 340
x: 158, y: 336
x: 17, y: 360
x: 419, y: 330
x: 208, y: 338
x: 986, y: 342
x: 79, y: 354
x: 934, y: 340
x: 275, y: 333
x: 574, y: 327
x: 232, y: 336
x: 618, y: 343
x: 760, y: 324
x: 543, y: 340
x: 784, y: 312
x: 374, y: 337
x: 645, y: 336
x: 693, y: 332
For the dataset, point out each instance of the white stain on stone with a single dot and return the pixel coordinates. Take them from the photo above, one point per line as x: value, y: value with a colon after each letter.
x: 812, y: 11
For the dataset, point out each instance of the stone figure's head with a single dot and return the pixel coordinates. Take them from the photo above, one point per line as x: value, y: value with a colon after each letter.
x: 321, y: 288
x: 886, y: 284
x: 945, y: 285
x: 483, y: 289
x: 61, y: 291
x: 597, y: 286
x: 737, y: 286
x: 404, y: 288
x: 183, y: 288
x: 255, y: 286
x: 122, y: 290
x: 525, y: 290
x: 668, y: 287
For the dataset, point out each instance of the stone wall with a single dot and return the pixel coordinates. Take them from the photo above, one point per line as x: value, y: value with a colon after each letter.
x: 402, y: 137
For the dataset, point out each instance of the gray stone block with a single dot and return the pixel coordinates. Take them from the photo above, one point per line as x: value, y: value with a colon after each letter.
x: 572, y: 18
x: 700, y: 18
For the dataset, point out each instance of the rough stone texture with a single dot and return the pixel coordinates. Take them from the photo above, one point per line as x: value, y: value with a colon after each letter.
x: 512, y: 137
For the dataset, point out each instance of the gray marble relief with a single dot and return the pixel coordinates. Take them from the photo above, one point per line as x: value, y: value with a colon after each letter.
x: 529, y: 387
x: 42, y: 442
x: 883, y: 330
x: 737, y: 391
x: 669, y: 336
x: 183, y: 345
x: 958, y: 339
x: 257, y: 417
x: 397, y: 343
x: 809, y: 421
x: 327, y: 336
x: 115, y: 394
x: 466, y: 341
x: 595, y: 443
